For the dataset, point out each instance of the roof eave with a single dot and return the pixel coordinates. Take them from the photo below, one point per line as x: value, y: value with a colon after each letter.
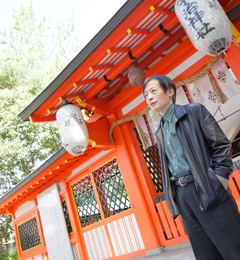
x: 32, y: 175
x: 113, y: 23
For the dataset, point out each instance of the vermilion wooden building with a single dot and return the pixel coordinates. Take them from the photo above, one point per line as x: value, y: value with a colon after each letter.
x: 110, y: 194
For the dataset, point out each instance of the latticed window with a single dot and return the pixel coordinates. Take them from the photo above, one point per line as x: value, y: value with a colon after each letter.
x: 66, y: 216
x: 111, y: 189
x: 29, y: 234
x: 152, y: 160
x: 86, y: 203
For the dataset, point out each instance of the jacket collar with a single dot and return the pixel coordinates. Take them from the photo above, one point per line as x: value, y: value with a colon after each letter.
x: 180, y: 111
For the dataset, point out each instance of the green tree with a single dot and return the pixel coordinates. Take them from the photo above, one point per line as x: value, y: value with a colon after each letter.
x: 5, y: 234
x: 13, y: 255
x: 33, y: 51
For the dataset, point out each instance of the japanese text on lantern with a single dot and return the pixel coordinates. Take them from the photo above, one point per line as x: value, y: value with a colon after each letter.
x: 195, y: 18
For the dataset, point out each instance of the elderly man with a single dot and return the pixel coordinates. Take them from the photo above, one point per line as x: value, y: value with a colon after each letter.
x: 196, y: 164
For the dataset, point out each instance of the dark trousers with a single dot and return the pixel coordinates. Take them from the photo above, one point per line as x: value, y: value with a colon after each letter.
x: 215, y: 233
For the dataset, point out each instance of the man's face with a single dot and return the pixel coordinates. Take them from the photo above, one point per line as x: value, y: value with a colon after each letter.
x: 157, y: 100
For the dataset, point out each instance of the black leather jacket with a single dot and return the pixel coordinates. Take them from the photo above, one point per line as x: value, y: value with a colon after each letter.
x: 208, y: 153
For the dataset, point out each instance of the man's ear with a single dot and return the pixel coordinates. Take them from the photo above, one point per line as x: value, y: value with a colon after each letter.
x: 170, y: 92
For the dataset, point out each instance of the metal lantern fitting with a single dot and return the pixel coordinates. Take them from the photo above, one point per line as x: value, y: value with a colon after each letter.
x: 136, y: 76
x: 206, y: 25
x: 72, y: 129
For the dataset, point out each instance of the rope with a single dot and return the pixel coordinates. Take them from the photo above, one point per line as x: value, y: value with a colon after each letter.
x: 128, y: 118
x: 178, y: 83
x: 221, y: 96
x: 145, y: 144
x: 200, y: 74
x: 234, y: 41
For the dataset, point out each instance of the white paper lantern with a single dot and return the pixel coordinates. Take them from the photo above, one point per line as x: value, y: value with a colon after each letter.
x: 206, y: 25
x: 72, y: 129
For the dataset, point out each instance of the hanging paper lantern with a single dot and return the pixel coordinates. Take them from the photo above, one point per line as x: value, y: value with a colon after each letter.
x: 206, y: 25
x: 136, y: 76
x: 72, y: 129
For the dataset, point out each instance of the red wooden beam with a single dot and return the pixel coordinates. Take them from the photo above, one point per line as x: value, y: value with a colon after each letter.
x: 160, y: 10
x: 100, y: 67
x: 97, y: 55
x: 119, y: 50
x: 138, y: 31
x: 173, y: 59
x: 36, y: 119
x: 86, y: 82
x: 229, y: 6
x: 152, y: 57
x: 136, y: 51
x: 132, y: 20
x: 130, y: 92
x: 99, y: 105
x: 173, y: 38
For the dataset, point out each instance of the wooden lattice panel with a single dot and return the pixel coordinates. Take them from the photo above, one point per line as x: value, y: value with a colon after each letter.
x: 86, y: 203
x: 29, y: 234
x: 111, y: 189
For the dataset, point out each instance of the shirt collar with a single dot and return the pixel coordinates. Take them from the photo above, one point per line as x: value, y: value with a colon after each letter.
x: 169, y: 113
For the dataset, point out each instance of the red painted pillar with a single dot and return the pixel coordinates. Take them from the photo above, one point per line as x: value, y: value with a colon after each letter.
x: 233, y: 59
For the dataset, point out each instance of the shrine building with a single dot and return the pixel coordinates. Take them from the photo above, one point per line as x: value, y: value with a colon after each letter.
x: 108, y: 202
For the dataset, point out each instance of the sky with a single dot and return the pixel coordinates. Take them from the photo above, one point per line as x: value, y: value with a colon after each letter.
x: 89, y: 15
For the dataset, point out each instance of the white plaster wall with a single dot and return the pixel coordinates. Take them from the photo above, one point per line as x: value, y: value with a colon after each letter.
x: 89, y: 162
x: 23, y: 209
x: 60, y: 186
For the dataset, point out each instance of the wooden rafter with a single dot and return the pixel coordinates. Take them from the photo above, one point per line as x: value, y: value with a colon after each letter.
x: 136, y: 51
x: 97, y: 55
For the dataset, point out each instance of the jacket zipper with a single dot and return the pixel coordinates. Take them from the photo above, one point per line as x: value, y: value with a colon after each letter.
x: 200, y: 205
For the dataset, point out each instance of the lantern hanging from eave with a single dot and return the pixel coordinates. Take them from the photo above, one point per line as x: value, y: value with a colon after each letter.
x: 72, y: 129
x: 136, y: 75
x: 206, y: 25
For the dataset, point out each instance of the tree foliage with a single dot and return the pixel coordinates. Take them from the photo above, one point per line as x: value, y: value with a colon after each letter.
x: 5, y: 234
x: 33, y: 51
x: 13, y: 255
